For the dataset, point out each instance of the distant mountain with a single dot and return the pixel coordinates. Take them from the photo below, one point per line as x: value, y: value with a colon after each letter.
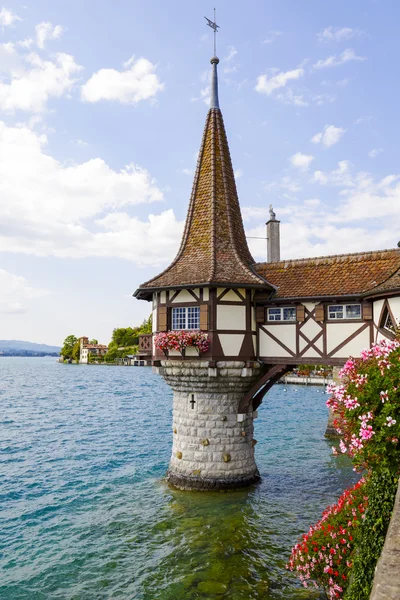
x: 19, y: 347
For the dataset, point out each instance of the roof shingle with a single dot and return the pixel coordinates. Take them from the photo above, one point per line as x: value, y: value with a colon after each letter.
x: 214, y: 248
x: 340, y: 275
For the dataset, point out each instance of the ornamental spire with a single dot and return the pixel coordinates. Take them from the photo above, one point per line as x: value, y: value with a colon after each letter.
x: 214, y: 61
x: 213, y: 249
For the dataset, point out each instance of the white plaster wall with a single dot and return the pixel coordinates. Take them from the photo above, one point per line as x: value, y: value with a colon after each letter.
x: 311, y: 329
x: 338, y: 332
x: 310, y: 305
x: 163, y: 297
x: 184, y: 296
x: 231, y: 343
x: 231, y: 317
x: 311, y: 353
x: 285, y: 333
x: 154, y: 320
x: 319, y: 344
x: 231, y: 296
x: 377, y: 309
x: 206, y: 294
x: 394, y: 304
x: 353, y: 348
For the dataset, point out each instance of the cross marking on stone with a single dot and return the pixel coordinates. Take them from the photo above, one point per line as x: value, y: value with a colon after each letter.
x: 192, y: 401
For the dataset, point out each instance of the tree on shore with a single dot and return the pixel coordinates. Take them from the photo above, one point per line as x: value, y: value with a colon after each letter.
x: 69, y: 343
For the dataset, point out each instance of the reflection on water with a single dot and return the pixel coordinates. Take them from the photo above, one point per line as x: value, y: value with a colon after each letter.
x: 219, y: 548
x: 84, y: 511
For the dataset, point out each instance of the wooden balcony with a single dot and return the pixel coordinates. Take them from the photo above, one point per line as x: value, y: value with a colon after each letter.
x: 146, y: 344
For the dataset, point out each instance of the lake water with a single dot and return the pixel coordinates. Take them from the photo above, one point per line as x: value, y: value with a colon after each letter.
x: 85, y: 513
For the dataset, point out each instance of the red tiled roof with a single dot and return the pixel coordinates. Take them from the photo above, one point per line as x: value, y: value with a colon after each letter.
x: 214, y: 248
x: 100, y: 346
x: 339, y: 275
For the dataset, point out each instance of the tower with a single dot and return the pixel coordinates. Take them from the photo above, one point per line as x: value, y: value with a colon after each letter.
x: 208, y: 291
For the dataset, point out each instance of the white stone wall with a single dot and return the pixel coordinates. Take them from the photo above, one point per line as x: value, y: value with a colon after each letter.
x: 211, y: 441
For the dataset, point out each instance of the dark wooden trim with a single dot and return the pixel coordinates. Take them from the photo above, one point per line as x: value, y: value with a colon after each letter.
x: 241, y: 297
x: 213, y: 307
x: 383, y: 331
x: 255, y: 395
x: 349, y: 339
x: 248, y: 309
x: 222, y: 294
x: 280, y: 360
x: 332, y: 321
x: 311, y: 343
x: 184, y: 304
x: 281, y: 344
x: 191, y: 292
x: 174, y: 295
x: 279, y: 323
x: 325, y: 339
x: 238, y: 331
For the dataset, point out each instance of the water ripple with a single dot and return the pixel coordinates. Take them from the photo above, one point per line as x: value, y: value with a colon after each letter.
x: 84, y: 512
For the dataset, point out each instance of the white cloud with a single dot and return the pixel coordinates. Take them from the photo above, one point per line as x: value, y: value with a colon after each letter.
x: 275, y: 79
x: 343, y: 228
x: 33, y: 81
x: 286, y: 183
x: 289, y: 97
x: 338, y: 34
x: 329, y: 136
x: 238, y: 173
x: 46, y: 31
x: 301, y: 161
x: 7, y: 17
x: 334, y: 61
x: 136, y: 82
x: 375, y: 152
x: 231, y: 54
x: 340, y: 176
x: 271, y: 37
x: 229, y: 63
x: 16, y: 292
x: 363, y: 120
x: 78, y: 210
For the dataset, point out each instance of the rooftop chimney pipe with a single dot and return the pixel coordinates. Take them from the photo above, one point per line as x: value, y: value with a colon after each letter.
x: 273, y: 238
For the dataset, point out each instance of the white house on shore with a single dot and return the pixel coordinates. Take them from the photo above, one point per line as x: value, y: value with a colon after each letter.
x: 98, y: 350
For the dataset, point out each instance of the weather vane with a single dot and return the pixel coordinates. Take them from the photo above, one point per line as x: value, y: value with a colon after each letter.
x: 215, y: 27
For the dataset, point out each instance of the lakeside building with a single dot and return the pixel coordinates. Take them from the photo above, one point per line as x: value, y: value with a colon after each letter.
x: 87, y: 349
x: 260, y: 320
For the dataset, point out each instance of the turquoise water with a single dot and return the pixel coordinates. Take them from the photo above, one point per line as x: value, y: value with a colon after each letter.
x: 84, y: 511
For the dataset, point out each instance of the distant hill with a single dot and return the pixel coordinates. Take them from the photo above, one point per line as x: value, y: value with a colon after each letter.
x: 22, y: 348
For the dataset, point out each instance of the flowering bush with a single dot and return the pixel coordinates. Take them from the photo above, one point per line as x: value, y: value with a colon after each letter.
x: 367, y: 407
x: 324, y: 556
x: 180, y: 340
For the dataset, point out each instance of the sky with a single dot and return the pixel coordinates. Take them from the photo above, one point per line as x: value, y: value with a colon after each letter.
x: 102, y: 109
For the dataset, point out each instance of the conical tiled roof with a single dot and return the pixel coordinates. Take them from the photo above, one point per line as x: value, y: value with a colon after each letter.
x: 214, y: 249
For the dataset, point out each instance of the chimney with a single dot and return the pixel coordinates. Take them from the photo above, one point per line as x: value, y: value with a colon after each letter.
x: 273, y: 238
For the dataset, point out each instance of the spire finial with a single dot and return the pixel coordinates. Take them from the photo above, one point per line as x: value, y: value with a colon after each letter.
x: 214, y: 103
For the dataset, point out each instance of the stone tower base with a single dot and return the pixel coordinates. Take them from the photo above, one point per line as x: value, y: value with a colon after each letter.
x: 213, y: 445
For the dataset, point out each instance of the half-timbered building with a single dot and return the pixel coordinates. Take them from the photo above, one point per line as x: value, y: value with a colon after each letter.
x: 261, y: 319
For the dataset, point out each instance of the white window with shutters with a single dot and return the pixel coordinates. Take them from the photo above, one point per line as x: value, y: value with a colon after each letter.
x: 340, y: 312
x: 186, y: 317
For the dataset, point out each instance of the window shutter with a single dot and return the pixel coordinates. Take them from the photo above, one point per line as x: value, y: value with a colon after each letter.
x: 162, y: 318
x: 319, y: 312
x: 300, y: 312
x: 260, y: 314
x: 367, y: 311
x: 204, y: 317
